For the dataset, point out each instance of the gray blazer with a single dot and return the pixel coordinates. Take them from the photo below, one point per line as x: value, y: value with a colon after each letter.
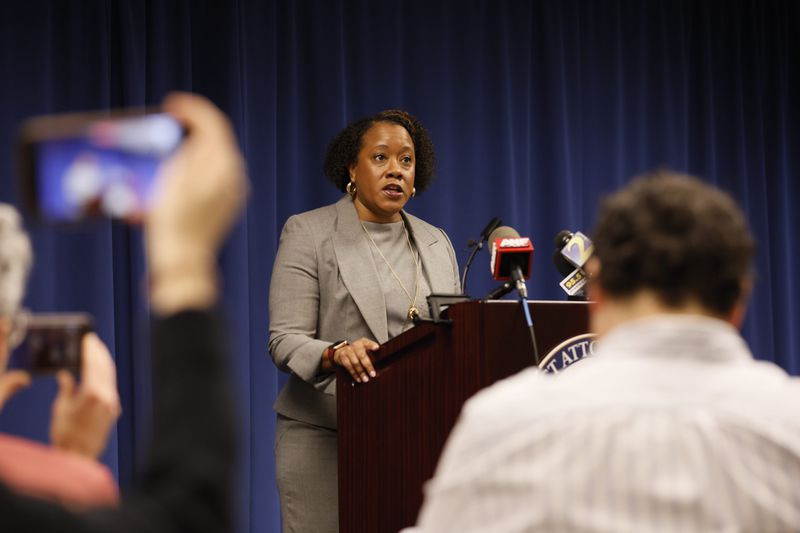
x: 325, y: 288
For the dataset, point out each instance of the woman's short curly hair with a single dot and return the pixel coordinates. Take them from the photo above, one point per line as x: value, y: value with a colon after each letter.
x: 677, y: 236
x: 343, y: 149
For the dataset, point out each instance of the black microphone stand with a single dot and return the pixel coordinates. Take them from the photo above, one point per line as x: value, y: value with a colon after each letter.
x: 476, y: 246
x: 500, y: 291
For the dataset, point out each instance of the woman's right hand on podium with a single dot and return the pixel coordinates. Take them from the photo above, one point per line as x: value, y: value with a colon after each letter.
x: 354, y: 357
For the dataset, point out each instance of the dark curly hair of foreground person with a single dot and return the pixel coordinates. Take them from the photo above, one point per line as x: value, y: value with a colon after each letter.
x: 678, y: 236
x: 343, y: 149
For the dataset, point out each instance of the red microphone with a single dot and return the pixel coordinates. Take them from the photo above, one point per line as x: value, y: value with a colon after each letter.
x: 511, y: 257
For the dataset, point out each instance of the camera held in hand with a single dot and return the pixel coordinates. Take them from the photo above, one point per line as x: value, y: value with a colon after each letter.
x: 51, y: 342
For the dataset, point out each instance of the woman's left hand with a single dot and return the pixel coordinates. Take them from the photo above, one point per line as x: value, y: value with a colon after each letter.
x: 355, y: 359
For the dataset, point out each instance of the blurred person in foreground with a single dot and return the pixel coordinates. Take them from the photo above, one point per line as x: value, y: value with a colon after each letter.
x: 348, y: 277
x: 671, y: 425
x: 82, y: 416
x: 186, y: 484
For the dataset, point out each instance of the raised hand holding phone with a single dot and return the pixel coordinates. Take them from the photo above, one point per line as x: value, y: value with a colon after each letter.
x: 50, y: 342
x: 98, y: 164
x: 199, y: 195
x: 83, y: 414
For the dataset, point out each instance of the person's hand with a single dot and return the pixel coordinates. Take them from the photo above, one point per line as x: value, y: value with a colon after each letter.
x: 84, y: 413
x: 200, y: 193
x: 11, y: 382
x: 354, y: 357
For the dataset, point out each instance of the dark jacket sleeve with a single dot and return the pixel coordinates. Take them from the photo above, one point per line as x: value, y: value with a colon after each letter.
x: 186, y: 486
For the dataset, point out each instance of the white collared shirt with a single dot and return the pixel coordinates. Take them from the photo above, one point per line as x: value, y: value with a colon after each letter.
x: 671, y: 426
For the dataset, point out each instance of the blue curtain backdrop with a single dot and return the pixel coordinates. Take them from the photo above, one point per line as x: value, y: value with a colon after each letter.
x: 536, y: 109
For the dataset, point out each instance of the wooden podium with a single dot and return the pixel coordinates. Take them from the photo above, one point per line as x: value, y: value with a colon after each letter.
x: 391, y: 430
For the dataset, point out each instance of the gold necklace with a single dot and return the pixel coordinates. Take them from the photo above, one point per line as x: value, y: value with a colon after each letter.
x: 413, y: 312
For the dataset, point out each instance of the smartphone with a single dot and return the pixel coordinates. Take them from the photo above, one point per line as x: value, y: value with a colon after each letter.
x: 52, y: 343
x: 83, y: 165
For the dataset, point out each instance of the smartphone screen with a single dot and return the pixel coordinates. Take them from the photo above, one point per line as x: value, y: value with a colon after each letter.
x: 80, y: 166
x: 52, y: 342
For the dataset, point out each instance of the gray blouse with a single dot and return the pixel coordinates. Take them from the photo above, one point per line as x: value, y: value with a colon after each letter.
x: 391, y: 240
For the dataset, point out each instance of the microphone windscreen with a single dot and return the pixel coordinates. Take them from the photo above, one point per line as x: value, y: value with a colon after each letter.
x: 503, y: 232
x: 563, y: 266
x: 562, y: 238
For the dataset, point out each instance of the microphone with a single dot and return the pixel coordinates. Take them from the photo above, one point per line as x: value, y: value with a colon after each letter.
x: 490, y: 227
x: 476, y: 246
x: 511, y: 262
x: 572, y: 251
x: 511, y: 257
x: 563, y: 266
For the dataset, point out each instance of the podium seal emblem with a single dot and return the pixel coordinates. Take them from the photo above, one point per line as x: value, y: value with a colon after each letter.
x: 568, y: 353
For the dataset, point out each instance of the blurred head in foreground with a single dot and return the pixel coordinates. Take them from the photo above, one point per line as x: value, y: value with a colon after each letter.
x: 15, y: 264
x: 669, y: 243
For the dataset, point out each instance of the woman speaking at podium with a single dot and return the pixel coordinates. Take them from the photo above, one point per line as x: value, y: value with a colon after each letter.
x: 347, y: 277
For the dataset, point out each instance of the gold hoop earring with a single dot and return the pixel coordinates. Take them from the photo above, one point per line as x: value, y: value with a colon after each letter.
x: 413, y: 192
x: 351, y: 188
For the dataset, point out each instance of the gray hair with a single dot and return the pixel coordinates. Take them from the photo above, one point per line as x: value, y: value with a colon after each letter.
x: 15, y: 259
